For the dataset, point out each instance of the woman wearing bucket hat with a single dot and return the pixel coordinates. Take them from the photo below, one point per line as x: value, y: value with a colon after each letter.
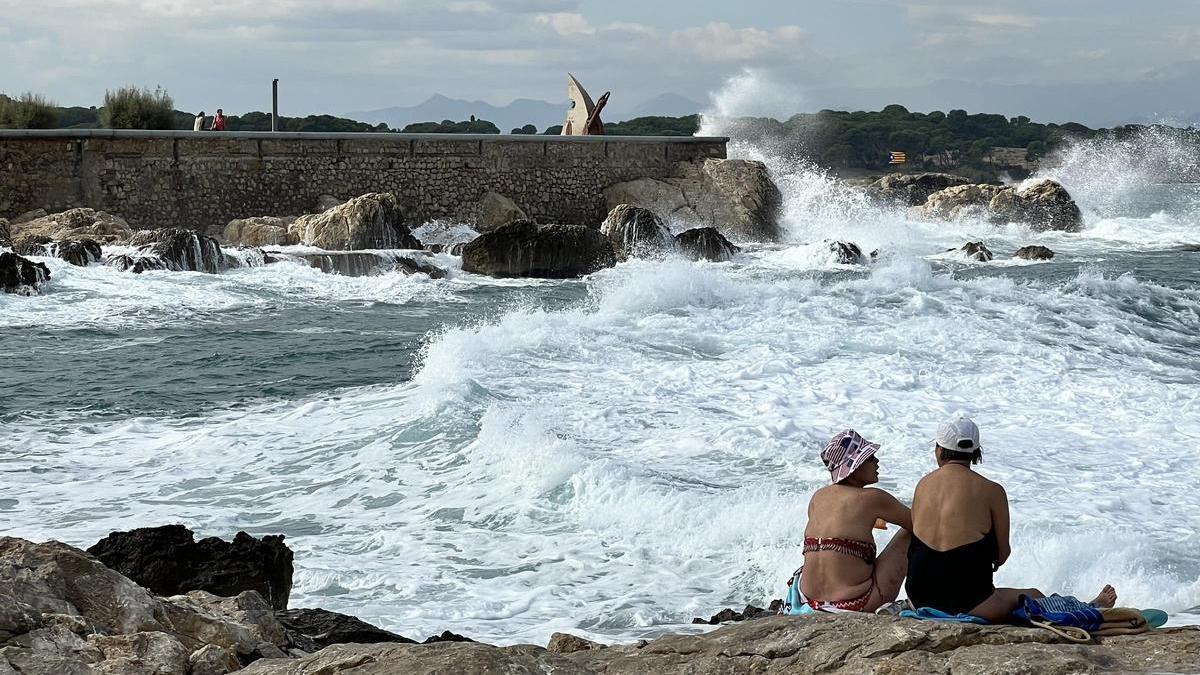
x: 841, y: 569
x: 960, y: 534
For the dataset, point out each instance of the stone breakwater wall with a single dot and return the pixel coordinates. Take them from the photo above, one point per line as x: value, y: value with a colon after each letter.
x: 202, y: 180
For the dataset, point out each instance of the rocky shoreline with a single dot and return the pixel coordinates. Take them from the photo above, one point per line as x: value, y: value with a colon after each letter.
x: 62, y: 610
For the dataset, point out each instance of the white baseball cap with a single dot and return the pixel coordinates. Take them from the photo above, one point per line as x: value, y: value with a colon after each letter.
x: 958, y: 435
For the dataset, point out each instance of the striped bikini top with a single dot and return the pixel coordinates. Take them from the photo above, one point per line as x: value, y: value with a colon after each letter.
x: 855, y: 548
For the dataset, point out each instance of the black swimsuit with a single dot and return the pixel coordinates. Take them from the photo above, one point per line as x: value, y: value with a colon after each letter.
x: 954, y: 581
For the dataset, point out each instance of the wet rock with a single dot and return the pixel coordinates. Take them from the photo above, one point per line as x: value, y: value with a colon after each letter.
x: 975, y: 250
x: 366, y: 263
x: 958, y: 202
x: 74, y: 224
x: 21, y: 276
x: 315, y: 629
x: 545, y: 251
x: 750, y: 612
x: 455, y: 248
x: 446, y: 636
x: 372, y: 221
x: 912, y: 189
x: 496, y: 211
x: 846, y: 253
x: 1045, y: 205
x: 564, y: 643
x: 1034, y: 253
x: 79, y: 252
x: 736, y: 196
x: 136, y: 264
x: 168, y: 561
x: 705, y: 243
x: 181, y: 250
x: 636, y: 232
x: 260, y: 231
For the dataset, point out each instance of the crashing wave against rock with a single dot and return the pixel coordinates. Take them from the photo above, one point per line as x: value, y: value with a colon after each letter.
x: 21, y: 276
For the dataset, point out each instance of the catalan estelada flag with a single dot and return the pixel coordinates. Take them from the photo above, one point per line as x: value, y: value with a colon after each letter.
x: 895, y: 157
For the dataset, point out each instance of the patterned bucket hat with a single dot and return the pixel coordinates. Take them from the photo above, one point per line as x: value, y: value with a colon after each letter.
x: 845, y: 453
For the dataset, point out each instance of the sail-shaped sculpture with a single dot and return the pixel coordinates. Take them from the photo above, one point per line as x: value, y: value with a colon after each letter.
x: 583, y: 117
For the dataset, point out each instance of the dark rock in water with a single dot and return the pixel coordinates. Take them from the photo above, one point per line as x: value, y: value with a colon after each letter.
x: 542, y: 251
x: 636, y: 232
x: 912, y: 189
x: 1034, y: 253
x: 750, y: 612
x: 372, y: 221
x: 316, y: 629
x: 446, y: 636
x: 365, y: 263
x: 168, y: 561
x: 136, y: 264
x: 21, y: 276
x: 1044, y: 206
x: 182, y: 250
x: 705, y: 243
x: 846, y: 253
x: 449, y: 249
x: 975, y: 250
x: 79, y: 252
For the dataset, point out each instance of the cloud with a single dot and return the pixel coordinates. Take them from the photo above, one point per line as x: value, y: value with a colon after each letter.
x: 1003, y: 20
x: 723, y: 42
x: 566, y: 23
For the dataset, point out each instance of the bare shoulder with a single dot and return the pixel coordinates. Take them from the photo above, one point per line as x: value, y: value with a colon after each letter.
x: 877, y: 495
x: 995, y: 489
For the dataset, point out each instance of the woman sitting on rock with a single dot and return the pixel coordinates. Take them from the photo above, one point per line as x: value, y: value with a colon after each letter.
x: 960, y: 534
x: 841, y: 569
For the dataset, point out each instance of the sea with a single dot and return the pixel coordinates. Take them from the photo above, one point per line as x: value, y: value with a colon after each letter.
x: 615, y: 455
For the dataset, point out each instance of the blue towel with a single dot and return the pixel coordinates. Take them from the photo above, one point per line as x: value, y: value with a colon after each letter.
x: 1060, y: 610
x: 932, y: 614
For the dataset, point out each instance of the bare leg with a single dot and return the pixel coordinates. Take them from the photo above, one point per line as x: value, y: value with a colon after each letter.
x: 891, y: 567
x: 1107, y: 599
x: 997, y: 608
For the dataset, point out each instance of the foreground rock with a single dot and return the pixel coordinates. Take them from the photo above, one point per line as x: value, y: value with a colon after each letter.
x: 314, y: 629
x: 1034, y: 253
x: 21, y: 276
x: 260, y: 231
x: 975, y: 250
x: 837, y: 644
x: 735, y: 196
x: 705, y: 243
x: 71, y: 225
x: 180, y: 250
x: 636, y: 232
x: 1046, y: 205
x: 62, y: 611
x: 365, y: 263
x: 169, y: 561
x: 545, y: 251
x: 79, y: 252
x: 847, y: 253
x: 372, y: 221
x: 912, y: 189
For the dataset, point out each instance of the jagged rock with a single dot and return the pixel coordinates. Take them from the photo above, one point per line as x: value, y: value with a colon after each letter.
x: 181, y: 250
x: 957, y: 202
x: 315, y: 629
x: 168, y: 561
x: 149, y: 653
x: 1034, y: 253
x: 728, y: 614
x: 735, y: 196
x: 546, y: 251
x: 28, y: 216
x: 1045, y: 205
x: 326, y: 202
x: 21, y: 276
x: 496, y: 211
x: 5, y: 233
x: 74, y: 224
x: 837, y: 644
x: 912, y: 189
x: 705, y: 243
x: 446, y: 636
x: 846, y: 253
x: 975, y: 250
x: 363, y: 263
x: 636, y: 232
x: 260, y: 231
x: 372, y: 221
x: 79, y: 252
x: 565, y: 643
x: 212, y: 660
x: 136, y: 264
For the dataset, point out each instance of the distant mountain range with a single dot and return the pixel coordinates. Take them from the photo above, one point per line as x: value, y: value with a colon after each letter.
x: 520, y: 112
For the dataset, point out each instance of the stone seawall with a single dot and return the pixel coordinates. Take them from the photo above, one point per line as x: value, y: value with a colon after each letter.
x: 202, y: 180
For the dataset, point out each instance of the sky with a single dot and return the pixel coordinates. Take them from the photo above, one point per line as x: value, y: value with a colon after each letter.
x: 1099, y: 62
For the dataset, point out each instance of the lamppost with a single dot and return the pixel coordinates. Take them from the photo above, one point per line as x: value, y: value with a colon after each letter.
x: 274, y: 104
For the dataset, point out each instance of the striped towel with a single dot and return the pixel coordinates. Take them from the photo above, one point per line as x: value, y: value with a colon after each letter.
x: 1059, y: 610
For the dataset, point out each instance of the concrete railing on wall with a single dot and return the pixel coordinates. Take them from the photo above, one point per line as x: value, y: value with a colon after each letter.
x: 202, y: 180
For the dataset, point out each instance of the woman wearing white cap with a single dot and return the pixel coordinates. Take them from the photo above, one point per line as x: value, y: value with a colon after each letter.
x: 960, y: 534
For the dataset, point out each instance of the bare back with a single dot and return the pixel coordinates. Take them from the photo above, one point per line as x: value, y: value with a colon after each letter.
x: 840, y: 511
x: 954, y: 506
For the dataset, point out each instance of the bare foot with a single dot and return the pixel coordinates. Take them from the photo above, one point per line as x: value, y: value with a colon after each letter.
x: 1107, y: 598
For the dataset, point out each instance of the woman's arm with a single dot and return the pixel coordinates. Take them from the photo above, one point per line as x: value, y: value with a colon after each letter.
x: 891, y: 510
x: 1000, y: 524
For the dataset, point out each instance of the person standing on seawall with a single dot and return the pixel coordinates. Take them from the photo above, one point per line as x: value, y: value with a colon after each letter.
x: 218, y: 123
x: 198, y: 125
x: 960, y: 534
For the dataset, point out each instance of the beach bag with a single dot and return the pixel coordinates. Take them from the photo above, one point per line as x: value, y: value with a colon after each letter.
x: 1064, y: 615
x: 793, y: 601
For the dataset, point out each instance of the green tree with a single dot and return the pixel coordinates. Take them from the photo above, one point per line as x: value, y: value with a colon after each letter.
x: 528, y: 129
x: 28, y: 111
x: 134, y: 108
